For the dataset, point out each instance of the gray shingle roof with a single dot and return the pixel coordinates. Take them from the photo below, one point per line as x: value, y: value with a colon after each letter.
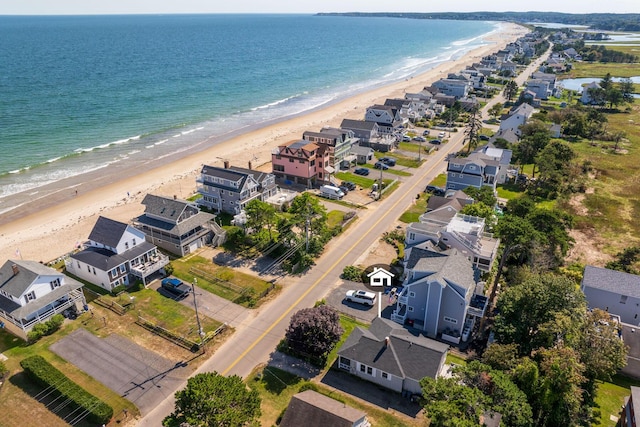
x: 406, y: 356
x: 28, y: 272
x: 445, y: 267
x: 312, y: 409
x: 106, y: 260
x: 107, y: 231
x: 357, y: 124
x: 611, y: 280
x: 165, y: 207
x: 179, y: 229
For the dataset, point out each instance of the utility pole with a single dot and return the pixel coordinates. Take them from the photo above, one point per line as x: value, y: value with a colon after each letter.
x: 380, y: 186
x: 195, y: 306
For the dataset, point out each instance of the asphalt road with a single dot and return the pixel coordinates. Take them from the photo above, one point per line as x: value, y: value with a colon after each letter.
x: 253, y: 343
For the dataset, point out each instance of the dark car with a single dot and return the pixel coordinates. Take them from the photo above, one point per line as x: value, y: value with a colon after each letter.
x: 380, y: 165
x: 435, y: 142
x: 484, y: 137
x: 176, y: 286
x: 426, y: 132
x: 419, y: 138
x: 361, y: 171
x: 350, y: 185
x: 435, y: 190
x: 389, y: 161
x: 344, y: 189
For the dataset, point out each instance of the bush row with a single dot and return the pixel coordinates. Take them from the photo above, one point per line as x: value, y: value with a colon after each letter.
x: 46, y: 328
x: 46, y: 375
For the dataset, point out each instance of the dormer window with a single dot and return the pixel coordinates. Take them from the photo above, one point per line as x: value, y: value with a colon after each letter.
x: 30, y: 296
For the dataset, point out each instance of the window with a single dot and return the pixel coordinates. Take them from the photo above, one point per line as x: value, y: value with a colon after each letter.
x: 278, y: 156
x: 88, y: 269
x: 363, y: 368
x: 386, y: 376
x: 412, y: 294
x: 291, y: 160
x: 623, y: 299
x: 410, y: 308
x: 312, y: 163
x: 30, y: 296
x: 126, y: 245
x: 94, y: 271
x: 278, y: 168
x: 55, y: 284
x: 78, y: 264
x: 133, y: 242
x: 450, y: 319
x: 123, y: 268
x: 412, y: 236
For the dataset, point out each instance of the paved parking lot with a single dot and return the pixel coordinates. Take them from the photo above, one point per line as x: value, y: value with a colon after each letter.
x: 336, y: 299
x: 140, y: 375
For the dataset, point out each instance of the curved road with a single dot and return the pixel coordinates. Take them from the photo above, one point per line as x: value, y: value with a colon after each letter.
x: 256, y: 338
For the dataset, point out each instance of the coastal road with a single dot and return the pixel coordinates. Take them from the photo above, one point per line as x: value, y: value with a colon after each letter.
x: 256, y: 338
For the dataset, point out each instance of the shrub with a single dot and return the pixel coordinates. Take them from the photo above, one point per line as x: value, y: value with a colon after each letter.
x: 45, y: 328
x: 352, y: 273
x: 46, y: 375
x: 308, y: 386
x: 168, y: 269
x: 3, y: 369
x: 118, y: 290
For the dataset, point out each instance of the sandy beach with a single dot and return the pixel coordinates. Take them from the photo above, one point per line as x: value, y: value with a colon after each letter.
x: 46, y: 231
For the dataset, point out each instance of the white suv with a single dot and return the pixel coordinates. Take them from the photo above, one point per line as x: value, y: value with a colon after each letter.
x: 362, y: 297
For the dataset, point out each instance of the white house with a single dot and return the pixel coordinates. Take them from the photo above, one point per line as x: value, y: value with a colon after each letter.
x: 31, y: 293
x: 516, y: 118
x: 116, y: 254
x: 613, y: 291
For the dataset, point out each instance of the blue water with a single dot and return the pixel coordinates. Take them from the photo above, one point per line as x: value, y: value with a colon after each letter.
x: 80, y: 93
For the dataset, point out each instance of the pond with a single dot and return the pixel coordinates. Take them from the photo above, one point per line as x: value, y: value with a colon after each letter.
x: 576, y: 84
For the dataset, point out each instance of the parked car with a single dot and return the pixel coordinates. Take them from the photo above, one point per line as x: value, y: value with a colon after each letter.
x: 361, y: 297
x: 380, y: 165
x: 331, y: 192
x: 344, y: 189
x: 435, y: 142
x: 389, y: 161
x: 484, y: 137
x: 419, y: 138
x: 426, y: 132
x: 176, y: 287
x: 406, y: 138
x: 435, y: 190
x: 361, y: 171
x: 350, y: 185
x: 441, y: 135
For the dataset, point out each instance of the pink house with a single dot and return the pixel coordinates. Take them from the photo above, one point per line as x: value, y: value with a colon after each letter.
x: 298, y: 161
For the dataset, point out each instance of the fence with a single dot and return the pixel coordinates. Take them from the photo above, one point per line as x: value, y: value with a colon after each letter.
x: 177, y: 339
x: 243, y: 292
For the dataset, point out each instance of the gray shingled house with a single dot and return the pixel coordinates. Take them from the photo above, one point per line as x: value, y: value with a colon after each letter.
x: 439, y: 295
x: 613, y: 291
x: 312, y: 409
x: 177, y: 226
x: 389, y: 355
x: 31, y: 293
x: 230, y: 188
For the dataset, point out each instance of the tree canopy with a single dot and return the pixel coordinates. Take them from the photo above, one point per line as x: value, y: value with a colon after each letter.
x: 314, y: 331
x: 210, y: 399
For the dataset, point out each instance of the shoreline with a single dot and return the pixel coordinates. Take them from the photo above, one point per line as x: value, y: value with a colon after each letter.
x: 45, y: 231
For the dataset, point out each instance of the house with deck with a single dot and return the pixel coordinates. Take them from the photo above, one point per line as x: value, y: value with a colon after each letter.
x: 116, y: 254
x: 230, y: 188
x: 177, y: 226
x: 390, y: 356
x: 440, y: 294
x: 336, y: 144
x: 458, y: 88
x: 32, y: 293
x: 386, y: 116
x: 300, y: 162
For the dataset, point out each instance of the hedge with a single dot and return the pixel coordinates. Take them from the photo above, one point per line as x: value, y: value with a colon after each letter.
x: 46, y: 375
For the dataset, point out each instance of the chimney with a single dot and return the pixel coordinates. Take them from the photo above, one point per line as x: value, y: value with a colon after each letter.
x: 249, y: 164
x: 226, y: 164
x: 386, y: 341
x: 15, y: 269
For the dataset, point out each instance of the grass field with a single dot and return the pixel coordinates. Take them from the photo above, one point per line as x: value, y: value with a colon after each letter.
x: 418, y: 207
x: 610, y: 398
x: 360, y: 181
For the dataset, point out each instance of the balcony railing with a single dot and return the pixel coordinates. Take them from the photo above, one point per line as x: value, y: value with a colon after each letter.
x: 154, y: 264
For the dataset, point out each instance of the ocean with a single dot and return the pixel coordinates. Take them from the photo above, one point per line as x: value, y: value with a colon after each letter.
x: 80, y: 94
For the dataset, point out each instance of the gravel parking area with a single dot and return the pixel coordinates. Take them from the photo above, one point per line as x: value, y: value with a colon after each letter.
x: 140, y: 375
x: 336, y: 299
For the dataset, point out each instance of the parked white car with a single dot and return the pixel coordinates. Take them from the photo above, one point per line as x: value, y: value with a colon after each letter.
x: 361, y: 297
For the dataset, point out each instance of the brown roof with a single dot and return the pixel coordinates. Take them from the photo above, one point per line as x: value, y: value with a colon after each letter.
x: 312, y: 409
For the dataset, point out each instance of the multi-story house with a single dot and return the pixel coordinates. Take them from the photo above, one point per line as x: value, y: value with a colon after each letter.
x: 32, y: 293
x: 337, y: 145
x: 298, y: 162
x: 454, y: 87
x: 439, y: 293
x: 444, y: 226
x: 177, y: 226
x: 230, y: 188
x: 386, y: 116
x: 541, y: 88
x: 116, y: 254
x: 516, y: 118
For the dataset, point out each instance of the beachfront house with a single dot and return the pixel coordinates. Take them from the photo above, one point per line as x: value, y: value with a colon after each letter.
x: 363, y: 154
x: 336, y: 146
x: 298, y: 162
x: 230, y: 188
x: 369, y: 134
x: 390, y: 356
x: 386, y: 116
x: 458, y: 88
x: 32, y: 293
x: 440, y: 294
x: 177, y: 226
x: 116, y: 254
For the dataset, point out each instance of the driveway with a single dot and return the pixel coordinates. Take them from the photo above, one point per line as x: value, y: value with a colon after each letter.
x: 140, y: 375
x: 336, y: 299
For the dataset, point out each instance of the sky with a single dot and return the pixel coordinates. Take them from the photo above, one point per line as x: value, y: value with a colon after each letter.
x: 81, y: 7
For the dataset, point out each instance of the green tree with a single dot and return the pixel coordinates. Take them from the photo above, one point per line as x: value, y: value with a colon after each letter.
x: 210, y: 399
x: 496, y: 110
x: 601, y: 348
x: 520, y: 206
x: 307, y: 210
x: 530, y: 146
x: 473, y: 128
x: 259, y: 215
x: 553, y: 231
x: 626, y: 260
x: 555, y: 167
x: 480, y: 210
x: 448, y: 403
x: 533, y: 313
x: 627, y: 90
x: 483, y: 194
x: 510, y: 90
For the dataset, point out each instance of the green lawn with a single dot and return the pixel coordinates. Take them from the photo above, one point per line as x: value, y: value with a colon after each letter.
x: 418, y: 207
x: 360, y: 181
x: 440, y: 180
x: 610, y: 398
x: 452, y: 358
x: 509, y: 191
x: 237, y: 279
x: 401, y: 159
